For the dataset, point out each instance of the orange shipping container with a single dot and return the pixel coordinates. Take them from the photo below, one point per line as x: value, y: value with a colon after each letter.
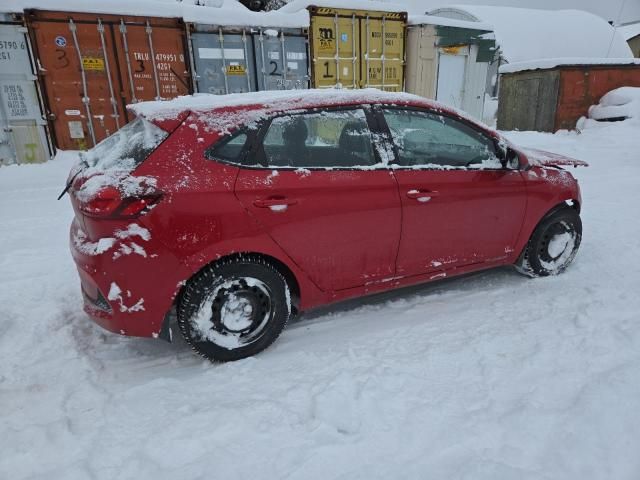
x: 91, y: 66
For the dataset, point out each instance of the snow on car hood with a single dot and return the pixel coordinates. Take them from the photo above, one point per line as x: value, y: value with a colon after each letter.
x: 548, y: 159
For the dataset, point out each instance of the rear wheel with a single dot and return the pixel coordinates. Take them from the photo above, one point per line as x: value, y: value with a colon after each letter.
x: 553, y: 245
x: 234, y: 309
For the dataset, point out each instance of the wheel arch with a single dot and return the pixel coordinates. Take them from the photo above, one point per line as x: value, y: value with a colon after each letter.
x: 279, y: 265
x: 571, y: 203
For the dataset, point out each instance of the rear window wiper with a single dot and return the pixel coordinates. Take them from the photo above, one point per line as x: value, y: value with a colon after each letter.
x: 83, y: 165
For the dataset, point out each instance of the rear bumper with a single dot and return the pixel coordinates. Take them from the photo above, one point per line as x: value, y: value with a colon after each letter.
x: 129, y: 284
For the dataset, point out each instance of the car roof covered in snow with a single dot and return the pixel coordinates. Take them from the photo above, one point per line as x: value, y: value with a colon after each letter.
x: 271, y: 100
x: 226, y: 112
x: 525, y: 34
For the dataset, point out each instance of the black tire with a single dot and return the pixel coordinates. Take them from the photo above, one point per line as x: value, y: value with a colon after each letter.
x: 234, y: 309
x: 553, y: 244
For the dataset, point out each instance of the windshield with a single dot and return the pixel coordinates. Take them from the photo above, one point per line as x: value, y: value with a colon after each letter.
x: 127, y: 148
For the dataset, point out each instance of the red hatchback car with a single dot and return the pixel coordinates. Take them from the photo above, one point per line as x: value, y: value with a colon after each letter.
x: 237, y: 211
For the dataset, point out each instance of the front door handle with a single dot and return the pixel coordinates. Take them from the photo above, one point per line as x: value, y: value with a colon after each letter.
x: 275, y: 202
x: 421, y: 195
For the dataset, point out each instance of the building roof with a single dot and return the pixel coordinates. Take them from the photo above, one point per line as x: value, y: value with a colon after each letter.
x: 629, y: 31
x: 528, y: 34
x: 548, y: 63
x: 447, y: 22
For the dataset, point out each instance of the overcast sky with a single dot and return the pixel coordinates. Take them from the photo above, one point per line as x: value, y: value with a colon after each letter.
x: 625, y: 10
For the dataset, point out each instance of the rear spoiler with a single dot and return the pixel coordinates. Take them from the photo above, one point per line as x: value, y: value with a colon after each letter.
x: 168, y: 124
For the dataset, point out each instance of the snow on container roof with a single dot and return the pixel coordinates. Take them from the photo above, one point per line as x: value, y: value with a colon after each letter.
x: 216, y: 12
x: 528, y: 34
x: 447, y: 22
x: 270, y: 100
x: 297, y: 5
x: 245, y: 17
x: 629, y: 31
x: 547, y: 63
x: 117, y: 7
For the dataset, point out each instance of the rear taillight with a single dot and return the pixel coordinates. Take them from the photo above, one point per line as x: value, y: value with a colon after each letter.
x: 109, y: 203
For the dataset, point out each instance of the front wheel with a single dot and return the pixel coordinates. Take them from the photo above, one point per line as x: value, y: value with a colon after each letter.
x: 553, y: 245
x: 234, y: 309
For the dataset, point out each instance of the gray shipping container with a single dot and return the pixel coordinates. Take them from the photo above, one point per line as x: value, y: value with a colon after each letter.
x: 223, y: 61
x: 23, y: 133
x: 247, y: 60
x: 282, y: 59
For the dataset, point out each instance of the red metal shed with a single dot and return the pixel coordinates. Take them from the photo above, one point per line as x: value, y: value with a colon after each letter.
x: 554, y: 97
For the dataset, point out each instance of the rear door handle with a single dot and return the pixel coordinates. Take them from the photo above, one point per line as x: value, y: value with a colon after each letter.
x: 422, y: 195
x: 275, y: 202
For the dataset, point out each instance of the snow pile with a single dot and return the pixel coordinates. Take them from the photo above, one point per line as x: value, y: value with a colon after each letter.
x: 621, y: 103
x: 242, y: 16
x: 300, y: 5
x: 213, y: 12
x: 529, y: 34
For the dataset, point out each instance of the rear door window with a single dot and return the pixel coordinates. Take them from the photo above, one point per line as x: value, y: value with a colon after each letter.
x: 324, y: 139
x: 230, y: 149
x: 127, y: 148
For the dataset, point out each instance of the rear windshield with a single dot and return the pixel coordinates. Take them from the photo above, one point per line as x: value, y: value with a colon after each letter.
x: 127, y: 148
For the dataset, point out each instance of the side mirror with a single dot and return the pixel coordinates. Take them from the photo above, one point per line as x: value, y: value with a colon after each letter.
x: 508, y: 156
x: 502, y: 152
x: 512, y: 159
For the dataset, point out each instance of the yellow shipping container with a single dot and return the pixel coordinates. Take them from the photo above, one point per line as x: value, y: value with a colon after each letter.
x: 357, y: 48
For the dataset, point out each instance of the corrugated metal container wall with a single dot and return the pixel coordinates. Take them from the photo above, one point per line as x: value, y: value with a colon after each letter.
x: 223, y: 61
x: 23, y: 133
x: 282, y: 59
x: 553, y: 99
x: 229, y: 60
x: 475, y: 81
x: 92, y: 66
x: 357, y: 48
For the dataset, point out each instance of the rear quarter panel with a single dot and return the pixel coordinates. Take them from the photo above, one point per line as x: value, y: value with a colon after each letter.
x: 199, y: 218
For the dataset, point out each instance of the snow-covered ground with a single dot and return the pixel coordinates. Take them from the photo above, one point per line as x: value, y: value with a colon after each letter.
x: 494, y: 376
